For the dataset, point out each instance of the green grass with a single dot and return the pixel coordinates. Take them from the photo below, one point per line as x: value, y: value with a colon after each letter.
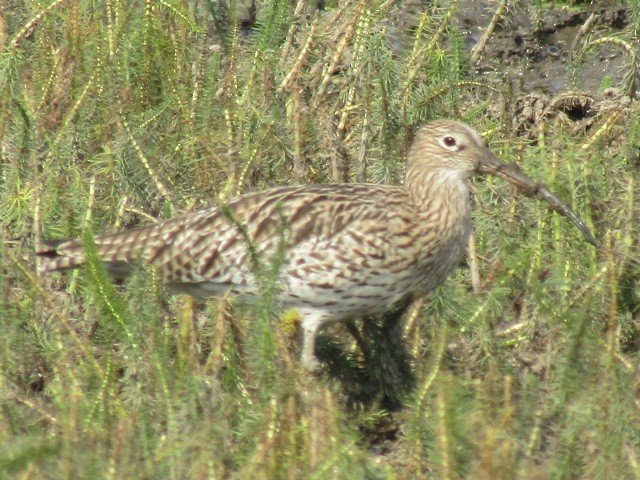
x: 114, y: 112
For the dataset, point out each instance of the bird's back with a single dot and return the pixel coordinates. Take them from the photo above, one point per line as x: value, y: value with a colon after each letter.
x: 194, y: 246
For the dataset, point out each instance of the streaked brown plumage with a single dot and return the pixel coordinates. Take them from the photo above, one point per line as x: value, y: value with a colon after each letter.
x: 351, y: 249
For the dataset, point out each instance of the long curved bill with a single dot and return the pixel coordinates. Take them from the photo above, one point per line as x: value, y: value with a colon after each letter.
x: 513, y: 174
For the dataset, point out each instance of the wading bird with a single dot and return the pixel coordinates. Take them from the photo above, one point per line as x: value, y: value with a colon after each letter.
x: 351, y: 250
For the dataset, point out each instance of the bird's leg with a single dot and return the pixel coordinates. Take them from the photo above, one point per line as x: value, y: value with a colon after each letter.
x: 392, y: 317
x: 355, y: 333
x: 310, y: 327
x: 309, y: 360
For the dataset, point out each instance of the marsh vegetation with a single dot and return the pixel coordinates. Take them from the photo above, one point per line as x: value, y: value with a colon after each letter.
x: 114, y: 114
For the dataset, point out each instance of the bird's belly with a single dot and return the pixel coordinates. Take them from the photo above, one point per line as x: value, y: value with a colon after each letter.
x: 342, y: 299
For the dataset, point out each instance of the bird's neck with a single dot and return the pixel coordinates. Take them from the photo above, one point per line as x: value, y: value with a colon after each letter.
x: 440, y: 192
x: 443, y: 223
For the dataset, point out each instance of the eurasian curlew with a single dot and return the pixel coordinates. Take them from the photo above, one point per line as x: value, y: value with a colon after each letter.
x: 351, y: 249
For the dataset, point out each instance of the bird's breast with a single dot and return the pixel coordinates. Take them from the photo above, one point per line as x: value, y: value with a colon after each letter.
x: 444, y: 227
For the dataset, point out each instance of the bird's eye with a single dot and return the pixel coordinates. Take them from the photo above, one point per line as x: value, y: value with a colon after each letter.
x: 449, y: 141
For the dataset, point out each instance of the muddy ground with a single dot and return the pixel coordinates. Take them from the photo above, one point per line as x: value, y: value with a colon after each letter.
x: 538, y: 48
x: 542, y: 54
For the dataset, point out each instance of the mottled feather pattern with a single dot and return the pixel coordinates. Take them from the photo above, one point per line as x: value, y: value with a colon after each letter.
x: 350, y: 249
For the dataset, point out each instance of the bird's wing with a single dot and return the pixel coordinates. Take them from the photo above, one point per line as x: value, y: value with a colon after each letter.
x: 224, y: 244
x: 218, y: 244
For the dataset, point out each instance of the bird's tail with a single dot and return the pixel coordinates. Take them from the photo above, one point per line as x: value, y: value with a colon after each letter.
x: 53, y: 260
x: 117, y: 250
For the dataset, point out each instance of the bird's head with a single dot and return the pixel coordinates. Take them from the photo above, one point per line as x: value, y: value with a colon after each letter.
x: 451, y: 147
x: 455, y: 150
